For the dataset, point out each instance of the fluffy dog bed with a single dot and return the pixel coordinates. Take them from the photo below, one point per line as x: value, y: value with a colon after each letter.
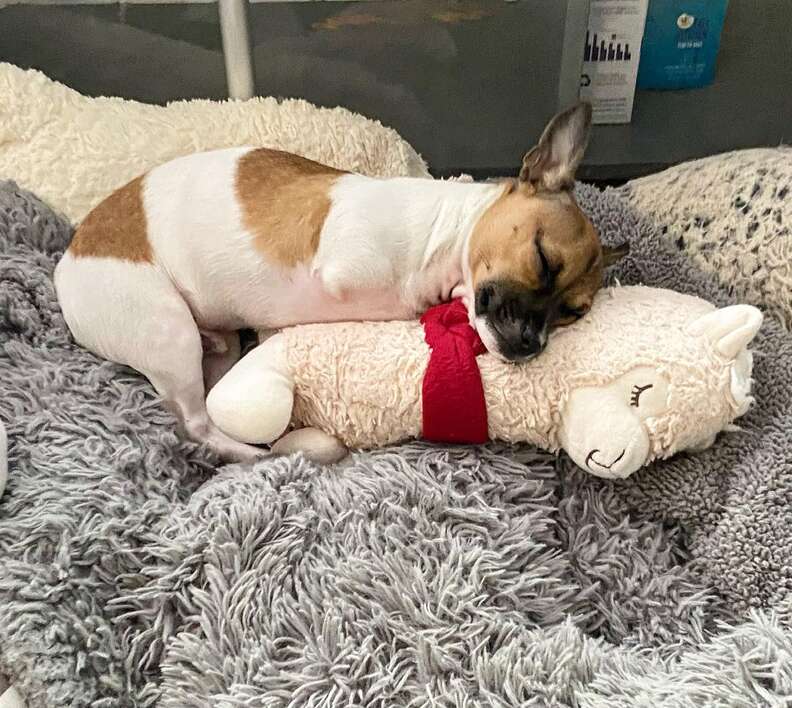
x: 73, y: 151
x: 135, y: 573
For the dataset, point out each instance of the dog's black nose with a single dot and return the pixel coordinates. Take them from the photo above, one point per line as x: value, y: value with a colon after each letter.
x: 531, y: 342
x: 484, y: 299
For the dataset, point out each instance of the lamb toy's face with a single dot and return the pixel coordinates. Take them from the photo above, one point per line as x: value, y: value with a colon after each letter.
x: 652, y: 412
x: 604, y: 427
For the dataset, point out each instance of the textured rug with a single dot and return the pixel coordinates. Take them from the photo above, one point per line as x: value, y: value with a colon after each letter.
x: 133, y: 572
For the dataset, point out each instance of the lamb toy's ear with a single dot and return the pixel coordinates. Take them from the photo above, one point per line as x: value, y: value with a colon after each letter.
x: 730, y: 329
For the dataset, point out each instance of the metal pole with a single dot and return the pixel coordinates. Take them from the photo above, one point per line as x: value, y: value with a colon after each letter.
x: 575, y: 24
x: 237, y: 50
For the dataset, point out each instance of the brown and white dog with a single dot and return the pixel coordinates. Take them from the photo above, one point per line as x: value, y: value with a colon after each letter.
x: 162, y: 274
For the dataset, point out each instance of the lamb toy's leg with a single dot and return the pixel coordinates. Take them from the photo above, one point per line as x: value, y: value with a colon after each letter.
x: 253, y: 402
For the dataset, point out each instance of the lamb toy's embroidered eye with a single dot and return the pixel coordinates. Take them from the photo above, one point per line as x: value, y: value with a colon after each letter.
x: 636, y: 394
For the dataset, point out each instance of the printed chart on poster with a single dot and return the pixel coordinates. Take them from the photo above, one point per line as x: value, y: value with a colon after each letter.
x: 611, y: 56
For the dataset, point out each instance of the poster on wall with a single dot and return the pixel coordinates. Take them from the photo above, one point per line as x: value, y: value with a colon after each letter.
x: 611, y: 56
x: 680, y: 44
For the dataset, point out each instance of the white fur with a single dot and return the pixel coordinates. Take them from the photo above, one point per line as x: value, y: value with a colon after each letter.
x: 389, y: 233
x: 94, y: 294
x: 374, y: 261
x: 485, y: 333
x: 134, y: 314
x: 194, y: 223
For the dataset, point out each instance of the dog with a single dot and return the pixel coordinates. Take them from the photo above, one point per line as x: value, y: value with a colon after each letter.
x: 163, y: 273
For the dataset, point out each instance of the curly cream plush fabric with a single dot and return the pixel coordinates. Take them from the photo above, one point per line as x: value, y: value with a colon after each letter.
x: 73, y: 151
x: 733, y: 214
x: 338, y: 374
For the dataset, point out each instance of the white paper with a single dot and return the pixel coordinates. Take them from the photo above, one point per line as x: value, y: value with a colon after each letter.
x: 611, y: 56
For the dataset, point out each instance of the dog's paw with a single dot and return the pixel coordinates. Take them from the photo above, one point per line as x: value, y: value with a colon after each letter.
x: 316, y: 445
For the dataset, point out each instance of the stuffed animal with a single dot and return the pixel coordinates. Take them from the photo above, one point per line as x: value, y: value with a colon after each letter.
x: 647, y: 373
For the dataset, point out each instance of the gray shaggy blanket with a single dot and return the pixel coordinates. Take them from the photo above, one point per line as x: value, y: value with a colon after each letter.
x: 135, y: 572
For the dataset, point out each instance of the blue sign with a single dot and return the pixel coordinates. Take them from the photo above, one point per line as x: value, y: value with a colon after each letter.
x: 680, y: 43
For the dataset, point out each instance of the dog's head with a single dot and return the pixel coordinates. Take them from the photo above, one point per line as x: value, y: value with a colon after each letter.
x: 535, y: 258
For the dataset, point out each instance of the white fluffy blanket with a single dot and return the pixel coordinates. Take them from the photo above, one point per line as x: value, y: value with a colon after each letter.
x: 72, y: 151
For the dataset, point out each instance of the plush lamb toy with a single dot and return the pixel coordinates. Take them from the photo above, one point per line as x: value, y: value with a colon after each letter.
x: 647, y: 373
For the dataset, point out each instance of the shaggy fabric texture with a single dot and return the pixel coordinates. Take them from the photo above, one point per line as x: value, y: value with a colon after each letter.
x: 73, y: 151
x: 135, y: 573
x: 3, y: 458
x: 736, y: 222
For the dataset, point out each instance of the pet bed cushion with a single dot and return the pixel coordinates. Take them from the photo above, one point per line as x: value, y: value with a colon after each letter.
x: 72, y: 151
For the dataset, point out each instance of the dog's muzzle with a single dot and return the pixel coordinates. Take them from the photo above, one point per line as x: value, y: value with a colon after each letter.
x: 510, y: 322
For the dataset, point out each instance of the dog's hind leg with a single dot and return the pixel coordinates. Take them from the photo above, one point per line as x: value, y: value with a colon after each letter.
x: 221, y: 350
x: 178, y: 378
x: 132, y: 314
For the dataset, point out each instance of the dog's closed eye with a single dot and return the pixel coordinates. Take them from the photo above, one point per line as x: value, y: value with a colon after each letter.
x: 567, y: 312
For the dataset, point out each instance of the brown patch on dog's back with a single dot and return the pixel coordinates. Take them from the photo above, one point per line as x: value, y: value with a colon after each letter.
x: 116, y: 227
x: 285, y: 199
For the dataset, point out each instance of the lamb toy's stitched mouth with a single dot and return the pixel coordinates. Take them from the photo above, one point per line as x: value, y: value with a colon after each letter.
x: 599, y: 464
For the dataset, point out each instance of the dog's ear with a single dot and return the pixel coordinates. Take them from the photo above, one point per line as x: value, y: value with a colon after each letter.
x: 551, y: 165
x: 613, y: 254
